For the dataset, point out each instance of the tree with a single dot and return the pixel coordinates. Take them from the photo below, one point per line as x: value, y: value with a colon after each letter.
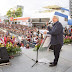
x: 18, y: 12
x: 14, y: 13
x: 8, y: 13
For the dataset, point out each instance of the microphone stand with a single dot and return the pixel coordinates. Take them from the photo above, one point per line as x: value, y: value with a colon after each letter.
x: 36, y: 61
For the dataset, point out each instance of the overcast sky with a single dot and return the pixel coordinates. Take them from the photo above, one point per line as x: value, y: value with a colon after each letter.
x: 30, y: 5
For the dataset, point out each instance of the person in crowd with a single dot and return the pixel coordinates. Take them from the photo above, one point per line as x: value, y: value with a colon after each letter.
x: 0, y: 40
x: 65, y: 32
x: 27, y: 46
x: 69, y: 31
x: 2, y: 37
x: 28, y: 38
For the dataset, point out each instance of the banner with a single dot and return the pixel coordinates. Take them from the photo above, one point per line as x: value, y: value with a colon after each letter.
x: 64, y: 9
x: 60, y: 14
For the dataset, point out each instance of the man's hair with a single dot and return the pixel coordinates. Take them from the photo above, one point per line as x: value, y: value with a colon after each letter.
x: 56, y: 17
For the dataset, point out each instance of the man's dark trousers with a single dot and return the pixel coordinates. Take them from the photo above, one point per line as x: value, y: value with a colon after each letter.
x: 57, y: 49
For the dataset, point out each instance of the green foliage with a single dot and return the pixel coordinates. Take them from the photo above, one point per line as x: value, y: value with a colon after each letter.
x: 70, y: 40
x: 8, y: 13
x: 37, y: 46
x: 14, y: 13
x: 66, y: 41
x: 12, y: 50
x: 18, y: 12
x: 6, y: 20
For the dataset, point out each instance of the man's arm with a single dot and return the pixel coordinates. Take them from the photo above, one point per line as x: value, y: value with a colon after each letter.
x: 49, y: 28
x: 56, y: 30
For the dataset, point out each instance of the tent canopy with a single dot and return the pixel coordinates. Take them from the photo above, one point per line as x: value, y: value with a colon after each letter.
x: 52, y: 7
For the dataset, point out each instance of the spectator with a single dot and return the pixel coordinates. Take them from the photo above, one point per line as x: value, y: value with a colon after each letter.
x: 65, y: 32
x: 69, y: 32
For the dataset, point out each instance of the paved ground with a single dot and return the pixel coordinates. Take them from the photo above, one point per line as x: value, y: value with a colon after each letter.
x: 23, y: 63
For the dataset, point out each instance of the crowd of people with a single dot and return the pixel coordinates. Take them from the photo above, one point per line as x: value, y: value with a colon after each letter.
x: 67, y: 32
x: 29, y: 36
x: 17, y: 28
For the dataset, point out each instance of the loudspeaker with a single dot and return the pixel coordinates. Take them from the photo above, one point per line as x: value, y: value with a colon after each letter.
x: 4, y: 57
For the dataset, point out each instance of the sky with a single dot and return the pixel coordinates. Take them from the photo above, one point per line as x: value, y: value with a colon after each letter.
x: 30, y: 6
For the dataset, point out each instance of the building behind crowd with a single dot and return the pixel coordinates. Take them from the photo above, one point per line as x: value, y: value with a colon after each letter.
x: 49, y: 11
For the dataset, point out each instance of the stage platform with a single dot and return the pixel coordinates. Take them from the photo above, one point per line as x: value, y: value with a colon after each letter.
x: 23, y: 63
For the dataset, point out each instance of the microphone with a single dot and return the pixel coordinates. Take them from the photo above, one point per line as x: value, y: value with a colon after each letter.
x: 50, y: 22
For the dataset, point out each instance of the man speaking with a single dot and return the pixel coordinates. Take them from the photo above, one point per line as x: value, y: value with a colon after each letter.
x: 56, y: 38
